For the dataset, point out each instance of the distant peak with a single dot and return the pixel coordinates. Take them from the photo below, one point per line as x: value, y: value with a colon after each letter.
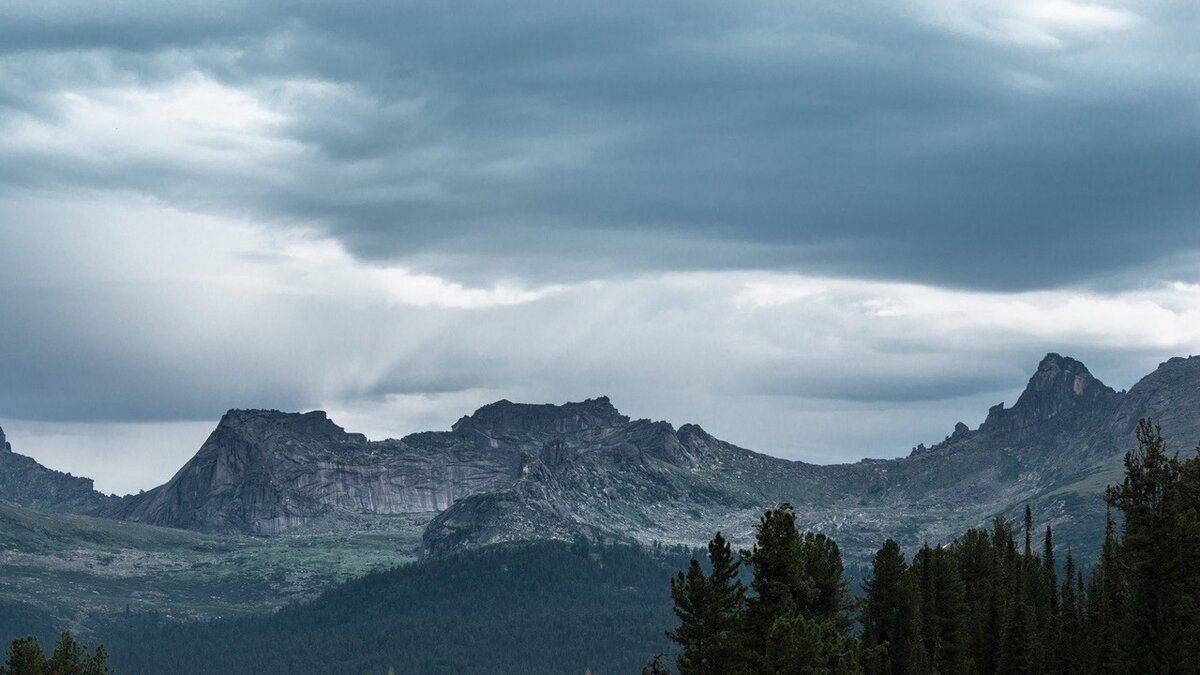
x: 1059, y: 383
x: 1053, y: 359
x: 258, y: 421
x: 504, y: 416
x: 4, y: 446
x: 1063, y: 373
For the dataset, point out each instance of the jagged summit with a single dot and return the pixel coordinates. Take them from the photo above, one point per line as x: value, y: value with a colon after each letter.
x: 1060, y: 383
x: 4, y: 446
x: 263, y: 423
x: 506, y: 417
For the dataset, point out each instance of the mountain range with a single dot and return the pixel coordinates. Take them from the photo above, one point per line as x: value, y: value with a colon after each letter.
x: 514, y: 472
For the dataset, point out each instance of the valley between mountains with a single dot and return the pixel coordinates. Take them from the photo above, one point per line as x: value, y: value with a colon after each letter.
x: 276, y: 507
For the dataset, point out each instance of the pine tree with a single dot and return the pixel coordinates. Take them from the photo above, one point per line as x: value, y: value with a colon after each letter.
x: 795, y: 622
x: 1183, y: 566
x: 821, y: 563
x: 890, y: 617
x: 70, y: 657
x: 95, y: 663
x: 1105, y: 605
x: 710, y: 614
x: 25, y: 657
x: 1028, y: 532
x: 655, y: 666
x: 67, y: 656
x: 978, y: 567
x: 943, y: 610
x: 1145, y: 500
x: 779, y: 584
x: 1159, y: 556
x: 1069, y: 634
x: 1045, y: 602
x: 801, y: 645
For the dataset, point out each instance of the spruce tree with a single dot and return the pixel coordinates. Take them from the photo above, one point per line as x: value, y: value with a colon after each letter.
x: 710, y: 614
x: 821, y: 563
x: 1069, y: 634
x: 1145, y: 499
x: 1159, y: 556
x: 779, y: 584
x: 795, y: 622
x: 1028, y: 532
x: 891, y: 624
x: 980, y: 564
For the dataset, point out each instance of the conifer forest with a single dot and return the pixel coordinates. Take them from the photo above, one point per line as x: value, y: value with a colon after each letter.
x: 997, y: 600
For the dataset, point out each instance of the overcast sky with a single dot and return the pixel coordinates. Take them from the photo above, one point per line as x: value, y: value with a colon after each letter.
x: 822, y: 230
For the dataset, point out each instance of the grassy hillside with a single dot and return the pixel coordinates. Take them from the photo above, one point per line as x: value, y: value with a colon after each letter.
x: 78, y: 569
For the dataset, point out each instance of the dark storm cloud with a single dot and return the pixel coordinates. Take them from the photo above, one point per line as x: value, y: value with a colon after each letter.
x: 563, y: 141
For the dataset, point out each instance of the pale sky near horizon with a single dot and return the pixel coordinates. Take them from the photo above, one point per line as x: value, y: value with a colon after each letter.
x: 823, y: 231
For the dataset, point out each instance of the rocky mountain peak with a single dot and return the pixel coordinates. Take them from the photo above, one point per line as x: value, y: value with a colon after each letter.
x: 261, y: 424
x: 1060, y: 383
x: 505, y: 418
x: 4, y: 446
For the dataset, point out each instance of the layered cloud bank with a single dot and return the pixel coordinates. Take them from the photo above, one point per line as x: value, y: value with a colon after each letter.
x: 965, y: 142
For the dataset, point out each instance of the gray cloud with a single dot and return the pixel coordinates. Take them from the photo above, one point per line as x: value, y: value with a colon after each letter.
x: 775, y: 220
x: 487, y: 142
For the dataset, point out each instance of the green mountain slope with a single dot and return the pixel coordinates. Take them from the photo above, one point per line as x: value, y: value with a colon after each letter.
x: 80, y: 569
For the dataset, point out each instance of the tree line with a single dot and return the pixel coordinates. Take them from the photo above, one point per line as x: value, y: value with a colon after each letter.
x: 69, y: 657
x: 984, y: 604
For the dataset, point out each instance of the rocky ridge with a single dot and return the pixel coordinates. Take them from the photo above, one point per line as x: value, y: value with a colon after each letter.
x: 1055, y: 448
x: 515, y: 472
x: 266, y: 472
x: 26, y: 483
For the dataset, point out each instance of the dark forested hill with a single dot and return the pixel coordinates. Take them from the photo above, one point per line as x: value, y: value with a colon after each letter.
x: 549, y: 607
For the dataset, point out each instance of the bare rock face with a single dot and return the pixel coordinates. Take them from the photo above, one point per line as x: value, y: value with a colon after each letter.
x: 26, y: 483
x: 1060, y: 385
x: 267, y: 472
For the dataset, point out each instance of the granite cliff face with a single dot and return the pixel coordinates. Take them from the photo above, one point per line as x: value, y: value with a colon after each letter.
x: 1060, y: 387
x: 267, y: 472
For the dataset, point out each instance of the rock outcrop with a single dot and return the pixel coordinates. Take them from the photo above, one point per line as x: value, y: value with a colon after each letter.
x: 268, y: 472
x: 1060, y: 385
x: 26, y: 483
